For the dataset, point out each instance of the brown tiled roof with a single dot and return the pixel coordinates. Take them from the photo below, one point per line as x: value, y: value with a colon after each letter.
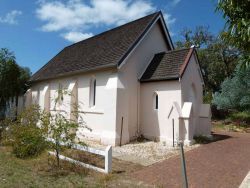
x: 167, y: 65
x: 107, y: 49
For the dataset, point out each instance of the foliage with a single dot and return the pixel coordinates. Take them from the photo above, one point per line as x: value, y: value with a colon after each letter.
x: 235, y: 91
x: 237, y: 28
x: 26, y: 138
x: 200, y: 37
x: 240, y: 116
x: 4, y: 124
x: 217, y: 59
x: 208, y: 97
x: 28, y: 141
x: 61, y: 128
x: 13, y: 78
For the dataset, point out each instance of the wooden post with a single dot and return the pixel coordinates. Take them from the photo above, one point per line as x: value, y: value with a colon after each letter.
x: 121, y: 133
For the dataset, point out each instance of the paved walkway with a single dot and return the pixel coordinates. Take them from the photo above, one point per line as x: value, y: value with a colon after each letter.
x: 246, y: 182
x: 223, y: 163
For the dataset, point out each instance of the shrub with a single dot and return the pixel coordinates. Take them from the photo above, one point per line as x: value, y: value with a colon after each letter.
x: 3, y: 125
x: 235, y: 91
x: 240, y: 116
x: 28, y: 141
x: 24, y: 134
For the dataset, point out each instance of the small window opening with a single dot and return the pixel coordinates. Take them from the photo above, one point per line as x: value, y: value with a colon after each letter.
x: 92, y: 98
x: 156, y: 101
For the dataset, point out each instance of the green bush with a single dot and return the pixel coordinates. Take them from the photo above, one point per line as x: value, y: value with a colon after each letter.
x: 240, y: 116
x: 24, y: 134
x: 28, y: 141
x: 235, y: 92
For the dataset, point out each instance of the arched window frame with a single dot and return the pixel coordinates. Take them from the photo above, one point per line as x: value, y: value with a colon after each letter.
x: 92, y: 92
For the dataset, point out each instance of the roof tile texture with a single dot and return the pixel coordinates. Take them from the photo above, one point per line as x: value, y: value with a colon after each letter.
x: 165, y: 66
x: 106, y: 49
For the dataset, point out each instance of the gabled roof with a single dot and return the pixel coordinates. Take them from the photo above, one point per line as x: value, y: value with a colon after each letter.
x: 167, y: 65
x: 105, y: 50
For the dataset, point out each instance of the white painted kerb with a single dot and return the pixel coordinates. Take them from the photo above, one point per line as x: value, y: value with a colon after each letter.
x: 246, y: 182
x: 107, y: 153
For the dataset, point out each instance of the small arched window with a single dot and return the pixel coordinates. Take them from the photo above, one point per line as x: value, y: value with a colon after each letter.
x: 156, y: 101
x: 92, y: 92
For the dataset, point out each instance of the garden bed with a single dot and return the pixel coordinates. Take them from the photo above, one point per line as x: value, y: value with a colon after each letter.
x: 230, y: 126
x: 142, y: 152
x: 38, y: 172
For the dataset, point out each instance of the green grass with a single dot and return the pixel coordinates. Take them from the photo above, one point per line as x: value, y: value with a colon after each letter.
x: 36, y: 172
x: 241, y: 117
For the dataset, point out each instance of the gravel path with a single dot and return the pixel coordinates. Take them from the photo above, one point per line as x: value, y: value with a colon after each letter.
x: 144, y: 153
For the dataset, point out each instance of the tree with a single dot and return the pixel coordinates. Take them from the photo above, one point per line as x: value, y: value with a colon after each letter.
x: 200, y: 37
x: 235, y: 92
x: 216, y: 58
x: 61, y: 128
x: 237, y: 27
x: 13, y: 79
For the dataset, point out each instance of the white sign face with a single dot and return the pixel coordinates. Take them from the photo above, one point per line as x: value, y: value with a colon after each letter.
x: 186, y: 109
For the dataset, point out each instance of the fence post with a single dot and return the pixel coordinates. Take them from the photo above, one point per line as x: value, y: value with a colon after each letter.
x: 108, y: 159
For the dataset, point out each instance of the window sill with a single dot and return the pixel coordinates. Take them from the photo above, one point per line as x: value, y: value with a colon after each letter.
x: 91, y: 111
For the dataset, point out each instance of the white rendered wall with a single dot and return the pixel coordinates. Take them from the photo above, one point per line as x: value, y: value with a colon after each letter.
x: 101, y: 118
x: 192, y: 91
x: 157, y: 124
x: 128, y: 92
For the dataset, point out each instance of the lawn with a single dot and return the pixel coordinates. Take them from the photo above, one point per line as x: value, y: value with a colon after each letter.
x: 36, y: 172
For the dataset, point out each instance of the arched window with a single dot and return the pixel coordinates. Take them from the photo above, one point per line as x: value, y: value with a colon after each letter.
x: 156, y: 101
x: 92, y: 92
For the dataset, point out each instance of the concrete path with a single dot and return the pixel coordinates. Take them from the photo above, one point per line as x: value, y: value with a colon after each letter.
x: 246, y: 182
x: 223, y: 163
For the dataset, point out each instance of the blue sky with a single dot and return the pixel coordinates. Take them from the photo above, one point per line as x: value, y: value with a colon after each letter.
x: 36, y: 30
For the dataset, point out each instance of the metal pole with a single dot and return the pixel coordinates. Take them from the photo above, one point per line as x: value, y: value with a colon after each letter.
x: 173, y: 131
x: 121, y: 132
x: 183, y: 167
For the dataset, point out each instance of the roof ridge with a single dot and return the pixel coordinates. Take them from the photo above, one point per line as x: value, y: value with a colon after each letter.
x: 118, y: 27
x: 153, y: 15
x: 177, y: 50
x: 156, y: 15
x: 186, y: 61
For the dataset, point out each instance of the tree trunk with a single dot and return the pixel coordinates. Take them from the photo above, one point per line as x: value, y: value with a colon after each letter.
x: 57, y: 155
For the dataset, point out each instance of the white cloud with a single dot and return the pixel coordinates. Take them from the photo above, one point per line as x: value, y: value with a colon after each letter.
x: 75, y: 14
x: 175, y: 2
x: 10, y: 17
x: 75, y: 18
x: 168, y: 19
x: 76, y: 36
